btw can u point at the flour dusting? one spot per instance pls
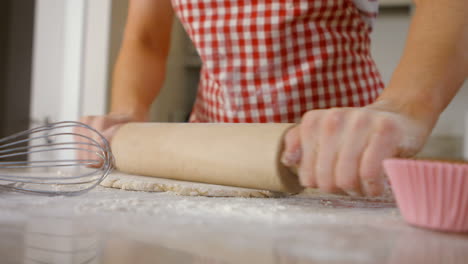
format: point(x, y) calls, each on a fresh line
point(124, 181)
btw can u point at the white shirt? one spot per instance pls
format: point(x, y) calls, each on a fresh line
point(368, 9)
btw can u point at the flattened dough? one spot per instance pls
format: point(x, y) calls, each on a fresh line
point(124, 181)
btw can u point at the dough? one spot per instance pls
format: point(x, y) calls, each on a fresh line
point(124, 181)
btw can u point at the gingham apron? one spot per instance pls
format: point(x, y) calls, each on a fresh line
point(273, 60)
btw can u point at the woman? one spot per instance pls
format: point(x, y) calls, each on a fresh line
point(305, 61)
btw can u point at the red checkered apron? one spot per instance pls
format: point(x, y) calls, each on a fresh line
point(273, 60)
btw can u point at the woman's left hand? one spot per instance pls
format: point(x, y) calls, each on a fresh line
point(342, 149)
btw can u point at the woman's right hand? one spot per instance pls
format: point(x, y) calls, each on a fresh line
point(106, 125)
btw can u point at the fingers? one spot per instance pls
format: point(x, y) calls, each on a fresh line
point(343, 149)
point(309, 136)
point(292, 148)
point(106, 126)
point(327, 149)
point(100, 125)
point(382, 145)
point(347, 173)
point(80, 154)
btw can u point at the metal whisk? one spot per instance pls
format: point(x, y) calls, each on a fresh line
point(43, 160)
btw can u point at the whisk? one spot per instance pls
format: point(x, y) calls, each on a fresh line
point(43, 160)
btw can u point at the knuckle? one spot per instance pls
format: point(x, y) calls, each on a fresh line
point(360, 121)
point(336, 112)
point(291, 136)
point(309, 121)
point(98, 124)
point(386, 125)
point(106, 122)
point(333, 120)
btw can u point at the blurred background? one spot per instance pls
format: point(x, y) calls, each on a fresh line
point(56, 59)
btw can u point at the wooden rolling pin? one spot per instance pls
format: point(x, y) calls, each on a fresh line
point(240, 155)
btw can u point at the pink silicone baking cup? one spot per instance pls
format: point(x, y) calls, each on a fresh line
point(431, 194)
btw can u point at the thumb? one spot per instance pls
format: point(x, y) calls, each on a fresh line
point(292, 148)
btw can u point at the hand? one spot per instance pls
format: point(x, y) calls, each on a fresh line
point(342, 149)
point(107, 125)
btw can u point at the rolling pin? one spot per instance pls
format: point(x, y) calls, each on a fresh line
point(240, 155)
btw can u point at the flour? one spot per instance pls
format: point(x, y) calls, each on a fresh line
point(313, 208)
point(124, 181)
point(311, 226)
point(192, 208)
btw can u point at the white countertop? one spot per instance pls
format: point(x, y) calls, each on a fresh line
point(115, 226)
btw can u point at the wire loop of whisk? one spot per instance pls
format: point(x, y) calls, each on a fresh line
point(47, 159)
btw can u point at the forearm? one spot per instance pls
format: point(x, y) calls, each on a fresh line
point(138, 77)
point(434, 63)
point(140, 68)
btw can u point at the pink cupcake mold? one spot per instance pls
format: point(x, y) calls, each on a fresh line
point(431, 194)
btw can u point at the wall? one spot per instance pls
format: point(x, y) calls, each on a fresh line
point(70, 59)
point(16, 40)
point(49, 61)
point(174, 104)
point(5, 6)
point(96, 57)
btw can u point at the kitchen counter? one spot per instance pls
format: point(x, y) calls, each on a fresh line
point(115, 226)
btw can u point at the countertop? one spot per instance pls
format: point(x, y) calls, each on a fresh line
point(116, 226)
